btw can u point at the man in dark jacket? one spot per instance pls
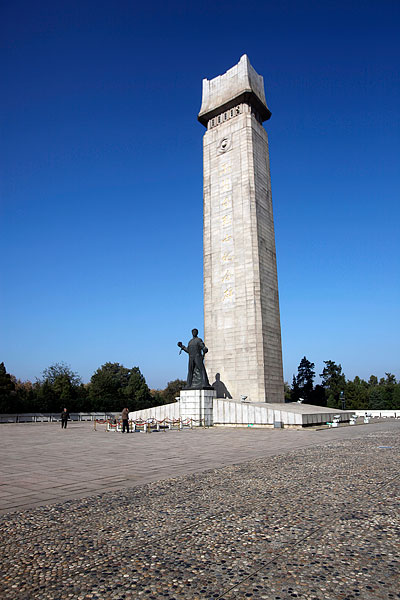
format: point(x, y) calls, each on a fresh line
point(125, 421)
point(64, 418)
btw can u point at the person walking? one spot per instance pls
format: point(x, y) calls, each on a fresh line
point(125, 421)
point(64, 418)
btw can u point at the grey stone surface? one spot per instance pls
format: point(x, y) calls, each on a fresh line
point(41, 463)
point(198, 406)
point(241, 304)
point(316, 517)
point(238, 83)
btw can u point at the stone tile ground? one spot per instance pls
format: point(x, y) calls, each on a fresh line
point(314, 522)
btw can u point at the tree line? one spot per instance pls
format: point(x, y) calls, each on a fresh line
point(114, 386)
point(111, 388)
point(335, 391)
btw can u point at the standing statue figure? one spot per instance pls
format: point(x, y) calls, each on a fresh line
point(197, 377)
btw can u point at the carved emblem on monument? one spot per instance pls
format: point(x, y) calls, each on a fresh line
point(224, 145)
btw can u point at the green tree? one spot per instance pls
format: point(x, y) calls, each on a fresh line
point(82, 397)
point(63, 389)
point(113, 386)
point(375, 398)
point(172, 390)
point(8, 395)
point(106, 384)
point(44, 398)
point(373, 380)
point(136, 392)
point(54, 372)
point(58, 388)
point(305, 380)
point(357, 394)
point(318, 396)
point(396, 397)
point(295, 391)
point(157, 398)
point(333, 382)
point(384, 395)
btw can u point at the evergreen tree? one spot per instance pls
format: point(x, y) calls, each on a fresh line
point(44, 398)
point(106, 384)
point(137, 392)
point(373, 380)
point(333, 382)
point(113, 386)
point(375, 398)
point(305, 379)
point(303, 383)
point(357, 394)
point(318, 396)
point(387, 387)
point(7, 391)
point(172, 390)
point(295, 392)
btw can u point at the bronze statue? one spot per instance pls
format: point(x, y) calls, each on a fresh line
point(197, 377)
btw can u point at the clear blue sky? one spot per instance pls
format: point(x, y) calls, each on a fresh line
point(101, 193)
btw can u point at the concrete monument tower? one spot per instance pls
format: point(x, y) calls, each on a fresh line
point(242, 334)
point(241, 304)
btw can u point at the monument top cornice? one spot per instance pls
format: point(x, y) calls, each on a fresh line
point(241, 83)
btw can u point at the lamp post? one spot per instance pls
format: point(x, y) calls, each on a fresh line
point(343, 399)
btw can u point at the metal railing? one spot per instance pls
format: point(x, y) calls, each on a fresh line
point(55, 417)
point(148, 425)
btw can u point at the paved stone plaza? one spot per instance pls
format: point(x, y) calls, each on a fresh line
point(219, 513)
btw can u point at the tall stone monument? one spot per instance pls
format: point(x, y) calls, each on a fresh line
point(241, 304)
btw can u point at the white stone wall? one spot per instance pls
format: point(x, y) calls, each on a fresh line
point(378, 413)
point(170, 411)
point(227, 412)
point(206, 410)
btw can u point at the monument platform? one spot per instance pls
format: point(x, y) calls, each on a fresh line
point(262, 414)
point(232, 413)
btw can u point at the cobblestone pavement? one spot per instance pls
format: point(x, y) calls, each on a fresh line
point(314, 522)
point(41, 463)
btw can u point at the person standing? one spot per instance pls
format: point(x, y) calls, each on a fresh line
point(64, 418)
point(125, 421)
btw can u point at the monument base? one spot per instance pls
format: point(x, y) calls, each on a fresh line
point(198, 406)
point(231, 413)
point(206, 410)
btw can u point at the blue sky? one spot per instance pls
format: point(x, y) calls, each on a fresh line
point(101, 178)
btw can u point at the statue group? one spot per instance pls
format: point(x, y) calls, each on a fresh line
point(197, 377)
